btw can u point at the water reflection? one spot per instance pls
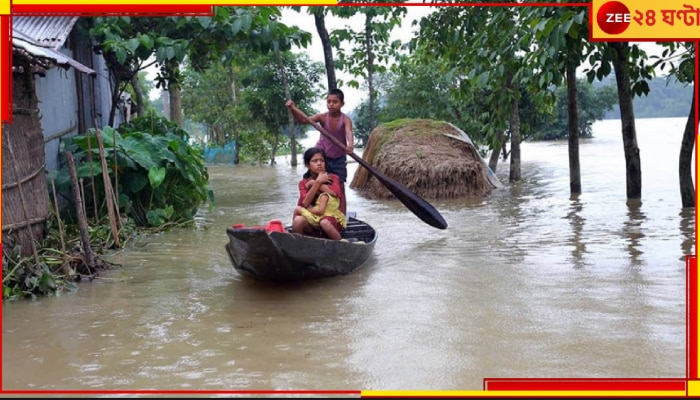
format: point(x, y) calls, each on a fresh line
point(633, 230)
point(688, 231)
point(576, 221)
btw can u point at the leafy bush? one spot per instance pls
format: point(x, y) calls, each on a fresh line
point(161, 177)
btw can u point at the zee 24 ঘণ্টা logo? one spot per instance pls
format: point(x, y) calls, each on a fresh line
point(614, 18)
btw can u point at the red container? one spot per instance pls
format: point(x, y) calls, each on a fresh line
point(274, 225)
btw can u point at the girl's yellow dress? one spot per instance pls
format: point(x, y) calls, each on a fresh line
point(332, 210)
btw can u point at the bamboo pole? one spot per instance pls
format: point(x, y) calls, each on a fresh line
point(24, 202)
point(66, 264)
point(108, 189)
point(92, 176)
point(82, 220)
point(58, 215)
point(116, 177)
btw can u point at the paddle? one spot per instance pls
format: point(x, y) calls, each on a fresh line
point(421, 208)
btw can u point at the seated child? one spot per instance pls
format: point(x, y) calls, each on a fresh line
point(317, 211)
point(327, 205)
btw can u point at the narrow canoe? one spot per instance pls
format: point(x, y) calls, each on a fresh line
point(278, 255)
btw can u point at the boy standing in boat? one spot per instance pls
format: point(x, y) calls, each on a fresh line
point(339, 126)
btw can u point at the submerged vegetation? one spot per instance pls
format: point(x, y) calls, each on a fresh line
point(159, 182)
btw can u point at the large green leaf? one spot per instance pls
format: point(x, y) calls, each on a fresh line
point(156, 176)
point(137, 150)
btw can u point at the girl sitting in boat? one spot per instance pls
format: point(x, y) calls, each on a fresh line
point(317, 212)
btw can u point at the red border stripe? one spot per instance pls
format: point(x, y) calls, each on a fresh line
point(585, 384)
point(113, 9)
point(692, 319)
point(6, 69)
point(155, 392)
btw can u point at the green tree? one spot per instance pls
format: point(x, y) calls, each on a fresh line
point(631, 75)
point(211, 97)
point(414, 88)
point(592, 105)
point(559, 49)
point(372, 49)
point(319, 13)
point(484, 44)
point(679, 58)
point(127, 42)
point(263, 94)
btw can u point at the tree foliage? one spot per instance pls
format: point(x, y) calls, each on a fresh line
point(245, 100)
point(263, 94)
point(371, 48)
point(128, 42)
point(592, 105)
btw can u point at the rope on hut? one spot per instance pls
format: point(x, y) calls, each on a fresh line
point(25, 179)
point(29, 222)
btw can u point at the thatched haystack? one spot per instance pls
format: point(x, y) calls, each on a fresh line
point(416, 153)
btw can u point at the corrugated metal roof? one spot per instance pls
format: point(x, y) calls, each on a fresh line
point(49, 31)
point(43, 36)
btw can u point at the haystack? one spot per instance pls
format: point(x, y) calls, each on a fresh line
point(418, 154)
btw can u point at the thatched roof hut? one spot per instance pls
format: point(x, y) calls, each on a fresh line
point(419, 154)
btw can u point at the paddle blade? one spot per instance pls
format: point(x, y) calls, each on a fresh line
point(421, 208)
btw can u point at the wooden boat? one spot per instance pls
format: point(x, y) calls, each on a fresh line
point(274, 253)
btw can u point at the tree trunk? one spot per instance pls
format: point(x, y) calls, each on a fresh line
point(116, 92)
point(572, 107)
point(138, 94)
point(234, 127)
point(370, 70)
point(493, 160)
point(633, 162)
point(290, 116)
point(175, 103)
point(320, 19)
point(273, 150)
point(175, 95)
point(685, 160)
point(237, 151)
point(515, 174)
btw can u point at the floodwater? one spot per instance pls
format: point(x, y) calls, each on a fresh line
point(528, 282)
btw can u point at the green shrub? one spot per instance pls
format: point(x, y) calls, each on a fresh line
point(161, 177)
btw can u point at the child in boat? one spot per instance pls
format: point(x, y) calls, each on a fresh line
point(339, 126)
point(317, 209)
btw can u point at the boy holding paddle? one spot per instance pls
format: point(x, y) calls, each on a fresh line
point(339, 126)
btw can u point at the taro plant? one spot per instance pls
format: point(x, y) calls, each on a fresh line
point(160, 177)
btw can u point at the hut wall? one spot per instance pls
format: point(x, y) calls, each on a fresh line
point(70, 102)
point(58, 106)
point(25, 201)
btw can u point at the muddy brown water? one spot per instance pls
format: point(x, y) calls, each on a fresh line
point(525, 283)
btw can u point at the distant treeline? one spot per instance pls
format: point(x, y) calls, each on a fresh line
point(665, 99)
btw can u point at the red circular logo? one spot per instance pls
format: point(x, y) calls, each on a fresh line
point(613, 17)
